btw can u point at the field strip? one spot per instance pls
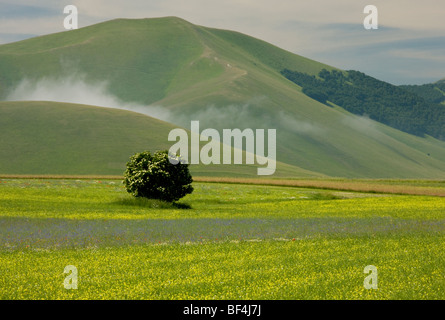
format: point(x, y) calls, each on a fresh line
point(343, 185)
point(395, 186)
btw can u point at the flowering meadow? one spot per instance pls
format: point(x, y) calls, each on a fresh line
point(223, 241)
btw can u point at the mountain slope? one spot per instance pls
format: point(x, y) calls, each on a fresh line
point(224, 79)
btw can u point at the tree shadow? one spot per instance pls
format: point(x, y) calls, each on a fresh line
point(151, 203)
point(181, 205)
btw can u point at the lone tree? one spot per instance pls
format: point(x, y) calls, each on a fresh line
point(155, 177)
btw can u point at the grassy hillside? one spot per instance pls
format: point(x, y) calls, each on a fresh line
point(56, 138)
point(226, 80)
point(60, 138)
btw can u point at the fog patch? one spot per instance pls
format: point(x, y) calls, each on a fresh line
point(253, 114)
point(362, 124)
point(298, 126)
point(222, 117)
point(78, 90)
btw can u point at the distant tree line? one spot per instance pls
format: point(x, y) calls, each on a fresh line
point(407, 108)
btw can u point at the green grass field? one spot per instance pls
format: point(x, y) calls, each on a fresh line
point(224, 241)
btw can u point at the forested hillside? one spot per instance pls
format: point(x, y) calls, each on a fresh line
point(413, 110)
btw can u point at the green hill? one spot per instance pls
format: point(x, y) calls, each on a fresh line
point(226, 80)
point(57, 138)
point(61, 138)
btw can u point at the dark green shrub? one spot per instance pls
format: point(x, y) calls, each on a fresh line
point(152, 176)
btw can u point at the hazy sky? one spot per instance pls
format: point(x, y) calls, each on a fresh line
point(408, 47)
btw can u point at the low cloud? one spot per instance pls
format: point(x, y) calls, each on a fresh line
point(256, 113)
point(299, 126)
point(362, 124)
point(78, 90)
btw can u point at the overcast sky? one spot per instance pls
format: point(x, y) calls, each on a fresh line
point(408, 47)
